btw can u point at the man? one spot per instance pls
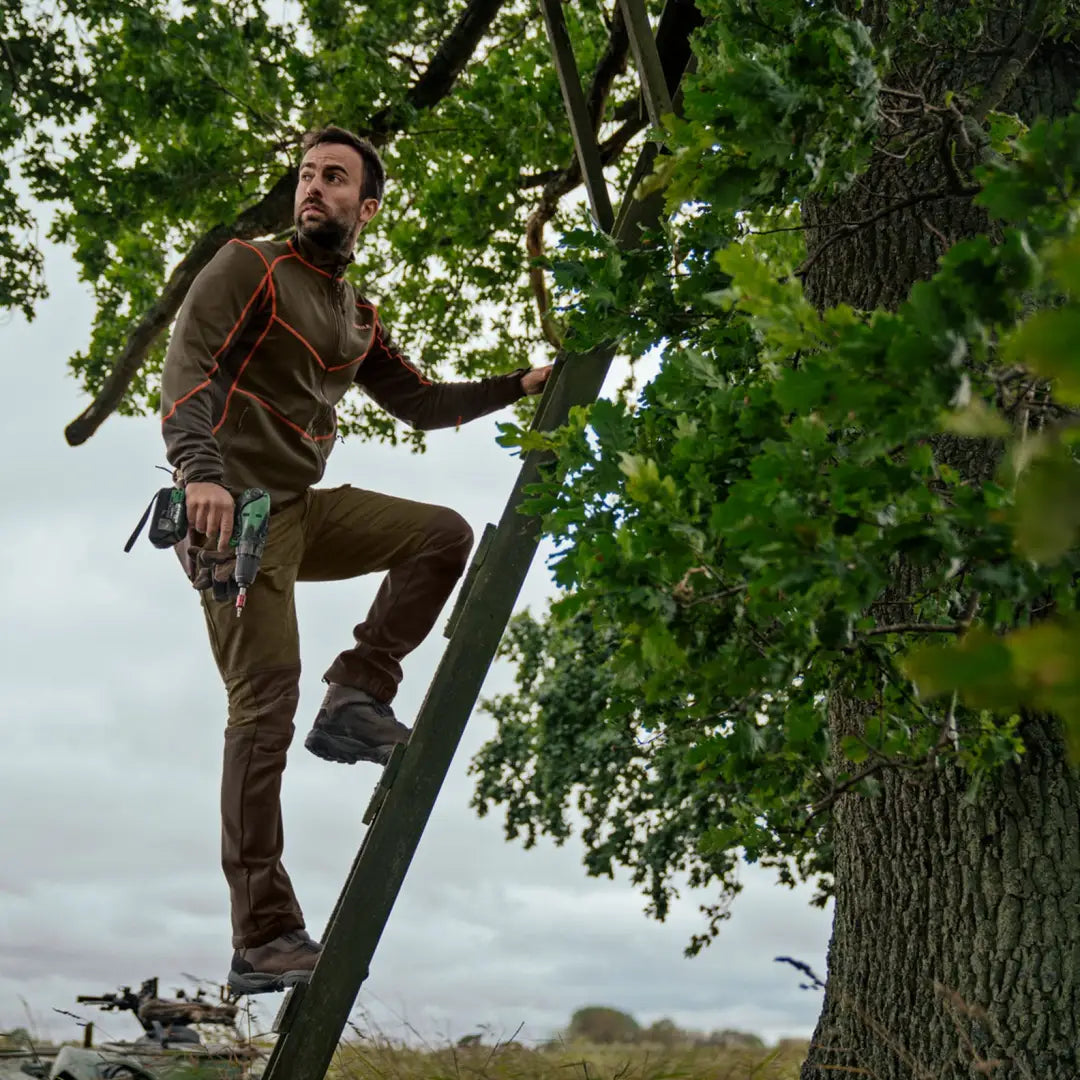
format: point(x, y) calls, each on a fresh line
point(268, 341)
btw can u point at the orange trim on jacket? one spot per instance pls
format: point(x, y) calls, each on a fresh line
point(228, 337)
point(274, 324)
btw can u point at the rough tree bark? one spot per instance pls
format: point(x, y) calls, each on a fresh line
point(956, 941)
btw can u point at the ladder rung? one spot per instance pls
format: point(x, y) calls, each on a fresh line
point(386, 781)
point(470, 579)
point(289, 1007)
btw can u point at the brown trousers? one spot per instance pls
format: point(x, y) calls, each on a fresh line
point(328, 535)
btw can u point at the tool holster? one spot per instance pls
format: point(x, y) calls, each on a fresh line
point(208, 568)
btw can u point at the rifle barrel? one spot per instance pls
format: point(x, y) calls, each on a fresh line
point(108, 1001)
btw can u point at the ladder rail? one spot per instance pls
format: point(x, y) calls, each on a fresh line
point(581, 125)
point(647, 57)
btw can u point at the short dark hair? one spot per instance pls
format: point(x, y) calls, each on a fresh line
point(374, 170)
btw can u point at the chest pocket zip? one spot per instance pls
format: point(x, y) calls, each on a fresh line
point(337, 301)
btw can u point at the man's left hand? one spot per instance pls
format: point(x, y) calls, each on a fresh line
point(532, 382)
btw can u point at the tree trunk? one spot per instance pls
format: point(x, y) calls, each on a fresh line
point(956, 939)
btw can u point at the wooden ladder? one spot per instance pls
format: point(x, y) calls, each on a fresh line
point(313, 1016)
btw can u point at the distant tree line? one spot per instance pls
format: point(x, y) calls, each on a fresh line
point(602, 1024)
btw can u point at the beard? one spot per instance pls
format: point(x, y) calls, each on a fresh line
point(328, 232)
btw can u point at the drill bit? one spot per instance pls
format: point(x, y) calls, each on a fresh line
point(241, 600)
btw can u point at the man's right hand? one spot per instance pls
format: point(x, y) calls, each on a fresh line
point(210, 512)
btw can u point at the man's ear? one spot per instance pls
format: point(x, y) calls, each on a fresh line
point(368, 209)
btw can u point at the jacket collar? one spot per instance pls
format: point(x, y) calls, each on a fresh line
point(333, 263)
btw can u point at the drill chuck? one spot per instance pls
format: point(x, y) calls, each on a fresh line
point(247, 566)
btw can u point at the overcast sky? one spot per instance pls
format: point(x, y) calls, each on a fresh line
point(112, 717)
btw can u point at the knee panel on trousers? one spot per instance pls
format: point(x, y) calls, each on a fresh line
point(451, 533)
point(265, 699)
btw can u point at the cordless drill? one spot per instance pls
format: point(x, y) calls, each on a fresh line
point(167, 514)
point(250, 527)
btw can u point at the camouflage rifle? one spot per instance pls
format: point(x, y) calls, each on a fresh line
point(164, 1019)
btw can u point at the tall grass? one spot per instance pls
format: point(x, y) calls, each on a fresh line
point(378, 1059)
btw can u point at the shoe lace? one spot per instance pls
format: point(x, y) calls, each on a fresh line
point(380, 708)
point(301, 938)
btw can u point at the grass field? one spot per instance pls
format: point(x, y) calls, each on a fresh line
point(369, 1059)
point(372, 1060)
point(373, 1056)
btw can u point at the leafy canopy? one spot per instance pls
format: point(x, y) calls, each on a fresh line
point(145, 125)
point(770, 522)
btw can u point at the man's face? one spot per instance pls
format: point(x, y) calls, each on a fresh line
point(328, 208)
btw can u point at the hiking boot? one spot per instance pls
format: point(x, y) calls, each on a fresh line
point(285, 961)
point(354, 726)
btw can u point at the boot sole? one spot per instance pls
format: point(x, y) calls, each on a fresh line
point(255, 982)
point(345, 751)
